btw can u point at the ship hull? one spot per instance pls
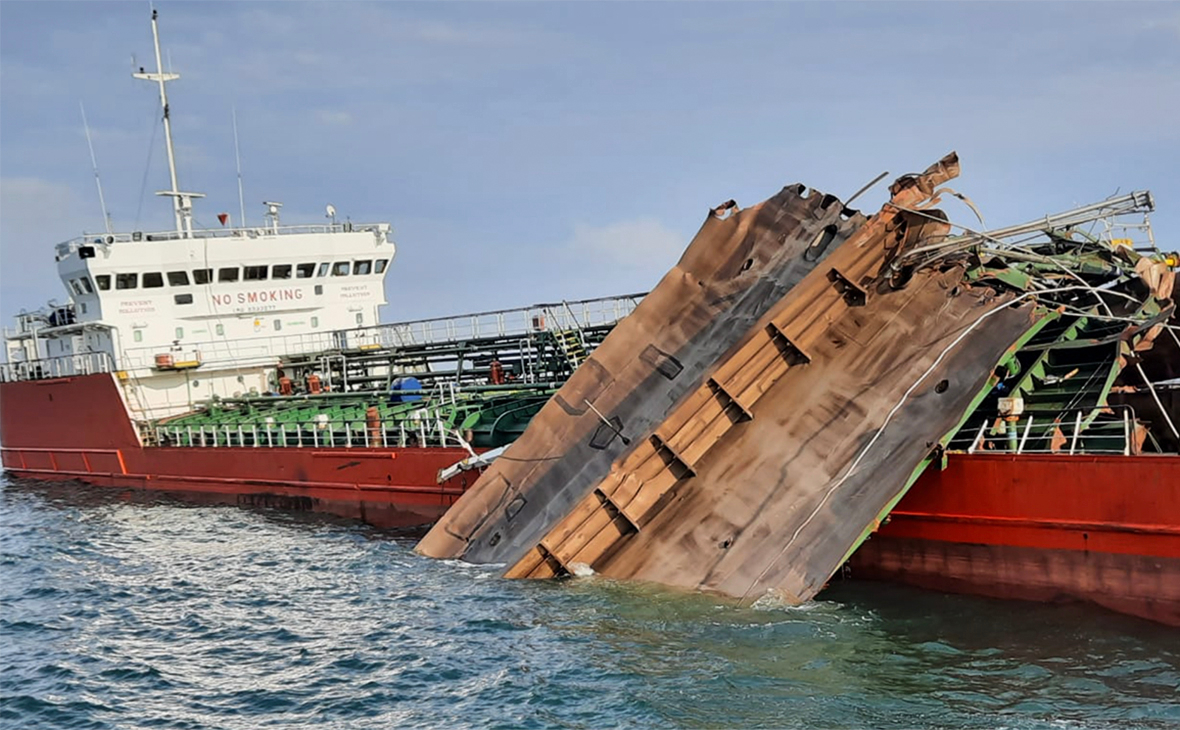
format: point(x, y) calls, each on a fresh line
point(1103, 529)
point(77, 429)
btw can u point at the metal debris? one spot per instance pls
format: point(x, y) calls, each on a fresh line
point(753, 422)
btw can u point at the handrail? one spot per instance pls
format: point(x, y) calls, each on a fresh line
point(265, 231)
point(426, 427)
point(591, 313)
point(1079, 435)
point(89, 363)
point(519, 322)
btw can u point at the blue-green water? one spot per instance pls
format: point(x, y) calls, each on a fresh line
point(121, 614)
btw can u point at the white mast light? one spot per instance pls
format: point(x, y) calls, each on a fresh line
point(182, 203)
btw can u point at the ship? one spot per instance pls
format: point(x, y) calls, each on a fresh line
point(803, 366)
point(249, 366)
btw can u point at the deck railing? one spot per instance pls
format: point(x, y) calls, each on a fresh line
point(1072, 431)
point(564, 316)
point(423, 429)
point(241, 232)
point(88, 363)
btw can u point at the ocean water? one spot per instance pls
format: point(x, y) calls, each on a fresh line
point(133, 613)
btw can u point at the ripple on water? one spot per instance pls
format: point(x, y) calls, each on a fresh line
point(162, 615)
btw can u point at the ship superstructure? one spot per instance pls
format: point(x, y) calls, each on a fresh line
point(189, 314)
point(249, 363)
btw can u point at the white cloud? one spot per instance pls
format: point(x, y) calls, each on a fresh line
point(1167, 24)
point(335, 117)
point(643, 243)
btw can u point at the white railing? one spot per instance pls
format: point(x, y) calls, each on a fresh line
point(56, 367)
point(1072, 431)
point(506, 323)
point(422, 428)
point(105, 239)
point(582, 314)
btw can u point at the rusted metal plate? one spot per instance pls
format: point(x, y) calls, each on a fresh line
point(740, 264)
point(778, 501)
point(668, 348)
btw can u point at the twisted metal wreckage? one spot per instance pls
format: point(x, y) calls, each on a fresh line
point(768, 403)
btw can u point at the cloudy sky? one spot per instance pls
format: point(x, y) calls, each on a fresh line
point(531, 152)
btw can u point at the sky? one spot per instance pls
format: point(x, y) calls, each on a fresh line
point(532, 152)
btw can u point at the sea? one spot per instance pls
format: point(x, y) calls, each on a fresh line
point(119, 610)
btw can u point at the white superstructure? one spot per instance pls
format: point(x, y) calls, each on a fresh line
point(187, 314)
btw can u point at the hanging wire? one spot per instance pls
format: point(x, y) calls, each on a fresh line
point(146, 171)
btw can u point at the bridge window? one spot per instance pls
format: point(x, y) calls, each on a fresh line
point(103, 281)
point(227, 274)
point(180, 333)
point(254, 273)
point(137, 335)
point(315, 321)
point(379, 267)
point(304, 271)
point(85, 282)
point(362, 267)
point(281, 271)
point(220, 330)
point(153, 280)
point(340, 268)
point(183, 298)
point(76, 286)
point(323, 270)
point(126, 281)
point(202, 276)
point(178, 278)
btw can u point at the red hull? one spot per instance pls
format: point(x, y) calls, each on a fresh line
point(1098, 528)
point(77, 428)
point(1104, 529)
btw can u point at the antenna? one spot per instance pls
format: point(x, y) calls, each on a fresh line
point(106, 214)
point(238, 159)
point(182, 203)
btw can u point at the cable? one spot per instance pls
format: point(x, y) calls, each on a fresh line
point(905, 396)
point(146, 170)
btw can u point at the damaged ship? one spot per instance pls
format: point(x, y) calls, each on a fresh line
point(982, 405)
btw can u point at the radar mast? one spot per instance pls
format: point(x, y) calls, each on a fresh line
point(182, 202)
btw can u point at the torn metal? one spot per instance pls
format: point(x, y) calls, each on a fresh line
point(770, 401)
point(739, 264)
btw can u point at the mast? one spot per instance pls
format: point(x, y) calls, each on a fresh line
point(182, 203)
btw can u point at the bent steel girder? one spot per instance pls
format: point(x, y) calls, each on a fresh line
point(740, 263)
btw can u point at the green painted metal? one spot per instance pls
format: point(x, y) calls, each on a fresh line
point(1044, 317)
point(484, 420)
